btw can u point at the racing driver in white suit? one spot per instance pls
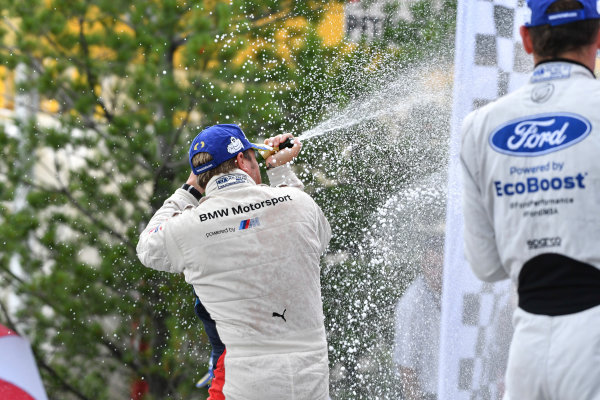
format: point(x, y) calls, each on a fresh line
point(252, 253)
point(531, 175)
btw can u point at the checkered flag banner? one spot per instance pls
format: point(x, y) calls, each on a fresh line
point(475, 327)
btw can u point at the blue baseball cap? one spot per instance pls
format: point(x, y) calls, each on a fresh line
point(590, 10)
point(222, 142)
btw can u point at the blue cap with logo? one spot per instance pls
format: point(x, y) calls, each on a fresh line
point(222, 142)
point(590, 10)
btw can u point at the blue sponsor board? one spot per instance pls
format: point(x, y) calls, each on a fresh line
point(536, 135)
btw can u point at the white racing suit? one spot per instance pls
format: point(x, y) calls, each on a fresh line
point(531, 176)
point(252, 254)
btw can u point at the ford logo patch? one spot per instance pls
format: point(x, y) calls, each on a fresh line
point(540, 134)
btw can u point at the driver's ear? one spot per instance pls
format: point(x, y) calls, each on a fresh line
point(526, 38)
point(242, 162)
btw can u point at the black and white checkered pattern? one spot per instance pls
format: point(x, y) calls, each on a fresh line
point(501, 65)
point(499, 53)
point(488, 315)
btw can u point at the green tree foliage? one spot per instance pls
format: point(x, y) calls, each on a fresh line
point(132, 83)
point(125, 87)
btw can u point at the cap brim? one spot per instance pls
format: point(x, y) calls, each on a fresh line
point(261, 146)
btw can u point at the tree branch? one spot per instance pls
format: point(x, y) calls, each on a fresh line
point(179, 131)
point(91, 78)
point(118, 354)
point(62, 189)
point(9, 323)
point(95, 220)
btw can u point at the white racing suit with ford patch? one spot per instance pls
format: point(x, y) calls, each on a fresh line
point(531, 176)
point(252, 253)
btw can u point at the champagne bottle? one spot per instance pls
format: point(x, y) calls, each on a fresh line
point(288, 143)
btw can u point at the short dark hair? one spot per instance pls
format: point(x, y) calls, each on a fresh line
point(552, 41)
point(223, 168)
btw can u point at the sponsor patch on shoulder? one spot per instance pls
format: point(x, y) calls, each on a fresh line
point(536, 135)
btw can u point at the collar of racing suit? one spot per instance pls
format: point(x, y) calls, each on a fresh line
point(228, 180)
point(565, 60)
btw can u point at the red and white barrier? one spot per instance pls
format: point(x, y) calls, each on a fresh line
point(19, 376)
